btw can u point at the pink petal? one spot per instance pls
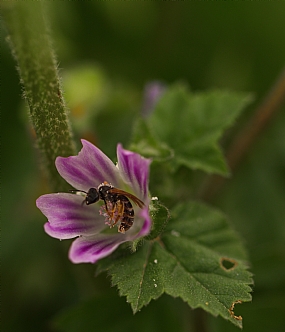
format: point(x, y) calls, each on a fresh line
point(146, 227)
point(135, 170)
point(67, 217)
point(90, 249)
point(88, 169)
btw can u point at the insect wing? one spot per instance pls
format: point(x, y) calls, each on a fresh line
point(136, 200)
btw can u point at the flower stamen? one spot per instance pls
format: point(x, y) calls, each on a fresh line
point(111, 214)
point(64, 210)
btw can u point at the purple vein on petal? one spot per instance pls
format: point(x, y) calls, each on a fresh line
point(90, 249)
point(88, 169)
point(146, 227)
point(135, 170)
point(67, 217)
point(99, 164)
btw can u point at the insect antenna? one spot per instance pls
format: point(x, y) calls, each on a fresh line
point(77, 192)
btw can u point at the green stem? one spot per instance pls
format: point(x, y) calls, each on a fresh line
point(248, 135)
point(31, 47)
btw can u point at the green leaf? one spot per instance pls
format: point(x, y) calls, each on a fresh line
point(192, 123)
point(198, 258)
point(160, 216)
point(144, 143)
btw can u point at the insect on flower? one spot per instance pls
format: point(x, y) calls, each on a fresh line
point(70, 218)
point(117, 205)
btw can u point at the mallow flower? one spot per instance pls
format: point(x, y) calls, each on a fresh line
point(153, 91)
point(70, 217)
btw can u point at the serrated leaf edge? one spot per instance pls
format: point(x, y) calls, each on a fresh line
point(136, 308)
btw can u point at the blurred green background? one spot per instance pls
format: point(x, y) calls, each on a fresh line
point(117, 47)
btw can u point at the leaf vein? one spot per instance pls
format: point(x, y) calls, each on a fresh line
point(143, 273)
point(192, 275)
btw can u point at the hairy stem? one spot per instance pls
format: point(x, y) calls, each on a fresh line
point(31, 47)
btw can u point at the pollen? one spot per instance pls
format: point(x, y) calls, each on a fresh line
point(109, 218)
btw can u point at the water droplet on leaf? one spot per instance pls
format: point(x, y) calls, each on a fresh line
point(174, 233)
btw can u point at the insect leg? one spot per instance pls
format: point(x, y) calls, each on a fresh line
point(109, 211)
point(120, 211)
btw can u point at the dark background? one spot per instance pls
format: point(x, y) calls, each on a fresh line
point(233, 45)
